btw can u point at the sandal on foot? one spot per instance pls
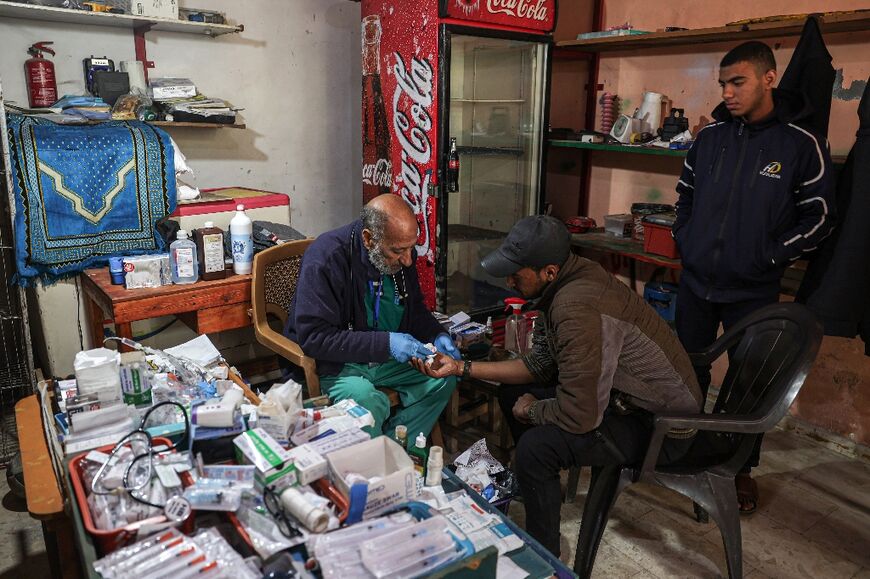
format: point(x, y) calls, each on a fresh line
point(747, 493)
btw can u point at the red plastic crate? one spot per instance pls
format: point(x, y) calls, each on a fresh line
point(658, 240)
point(108, 541)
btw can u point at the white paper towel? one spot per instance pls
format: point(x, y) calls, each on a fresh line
point(97, 372)
point(136, 72)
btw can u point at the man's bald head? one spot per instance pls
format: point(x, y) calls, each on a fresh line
point(389, 232)
point(396, 217)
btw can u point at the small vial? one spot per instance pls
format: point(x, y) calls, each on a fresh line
point(401, 435)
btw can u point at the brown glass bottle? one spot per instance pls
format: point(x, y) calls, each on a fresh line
point(210, 252)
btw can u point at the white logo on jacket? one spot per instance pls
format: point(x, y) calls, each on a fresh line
point(772, 170)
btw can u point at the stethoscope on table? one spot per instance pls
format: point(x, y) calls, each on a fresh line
point(142, 435)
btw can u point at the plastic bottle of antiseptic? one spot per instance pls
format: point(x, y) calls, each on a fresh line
point(242, 240)
point(182, 259)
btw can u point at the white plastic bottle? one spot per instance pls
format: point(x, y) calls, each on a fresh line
point(182, 259)
point(242, 239)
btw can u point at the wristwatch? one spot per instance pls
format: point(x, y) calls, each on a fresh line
point(533, 412)
point(466, 368)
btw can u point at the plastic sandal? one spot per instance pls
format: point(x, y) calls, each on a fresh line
point(747, 493)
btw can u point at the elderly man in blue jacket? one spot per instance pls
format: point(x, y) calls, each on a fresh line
point(358, 310)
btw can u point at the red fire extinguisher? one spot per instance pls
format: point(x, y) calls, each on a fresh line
point(41, 85)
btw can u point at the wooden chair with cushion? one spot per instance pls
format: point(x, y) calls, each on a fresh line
point(275, 273)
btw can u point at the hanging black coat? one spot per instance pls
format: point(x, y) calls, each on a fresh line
point(810, 72)
point(837, 282)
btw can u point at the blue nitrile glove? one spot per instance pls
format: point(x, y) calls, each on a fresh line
point(403, 347)
point(445, 345)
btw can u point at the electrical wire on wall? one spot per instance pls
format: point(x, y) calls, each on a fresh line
point(79, 315)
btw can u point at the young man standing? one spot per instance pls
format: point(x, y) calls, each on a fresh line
point(756, 192)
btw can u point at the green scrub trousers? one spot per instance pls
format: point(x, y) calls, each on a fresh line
point(422, 399)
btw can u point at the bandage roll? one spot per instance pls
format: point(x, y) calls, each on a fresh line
point(233, 397)
point(314, 518)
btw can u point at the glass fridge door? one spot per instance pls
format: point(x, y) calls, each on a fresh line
point(497, 90)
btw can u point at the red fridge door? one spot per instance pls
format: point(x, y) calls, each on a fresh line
point(400, 114)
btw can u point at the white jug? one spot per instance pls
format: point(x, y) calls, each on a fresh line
point(651, 110)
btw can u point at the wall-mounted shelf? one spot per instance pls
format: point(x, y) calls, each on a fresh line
point(52, 14)
point(180, 125)
point(831, 22)
point(196, 125)
point(490, 151)
point(618, 148)
point(487, 101)
point(567, 144)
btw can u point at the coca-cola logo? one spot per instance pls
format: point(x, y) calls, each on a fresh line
point(469, 7)
point(411, 125)
point(531, 9)
point(379, 174)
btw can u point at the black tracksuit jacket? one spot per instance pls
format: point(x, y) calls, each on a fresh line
point(753, 198)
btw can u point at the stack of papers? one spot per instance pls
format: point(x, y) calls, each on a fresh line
point(199, 350)
point(199, 108)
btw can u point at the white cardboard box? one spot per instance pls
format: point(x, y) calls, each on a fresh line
point(274, 463)
point(158, 8)
point(379, 457)
point(310, 465)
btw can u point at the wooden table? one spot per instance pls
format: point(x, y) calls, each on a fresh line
point(598, 240)
point(632, 249)
point(205, 306)
point(45, 500)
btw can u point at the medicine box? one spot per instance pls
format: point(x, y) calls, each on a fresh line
point(171, 88)
point(382, 459)
point(146, 271)
point(274, 464)
point(155, 8)
point(332, 442)
point(310, 465)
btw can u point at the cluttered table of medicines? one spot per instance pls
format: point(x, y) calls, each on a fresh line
point(206, 306)
point(213, 481)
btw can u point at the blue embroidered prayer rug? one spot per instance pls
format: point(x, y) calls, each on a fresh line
point(83, 193)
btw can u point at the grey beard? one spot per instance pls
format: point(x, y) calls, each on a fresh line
point(379, 260)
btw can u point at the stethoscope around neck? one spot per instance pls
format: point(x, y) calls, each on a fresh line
point(376, 287)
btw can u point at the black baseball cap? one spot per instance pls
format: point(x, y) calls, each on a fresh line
point(534, 241)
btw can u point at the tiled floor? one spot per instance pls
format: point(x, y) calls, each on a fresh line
point(814, 522)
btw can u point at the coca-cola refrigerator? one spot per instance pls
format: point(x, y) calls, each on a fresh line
point(472, 70)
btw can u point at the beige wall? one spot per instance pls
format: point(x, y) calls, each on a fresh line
point(834, 396)
point(296, 71)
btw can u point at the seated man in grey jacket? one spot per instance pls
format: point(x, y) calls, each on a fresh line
point(602, 363)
